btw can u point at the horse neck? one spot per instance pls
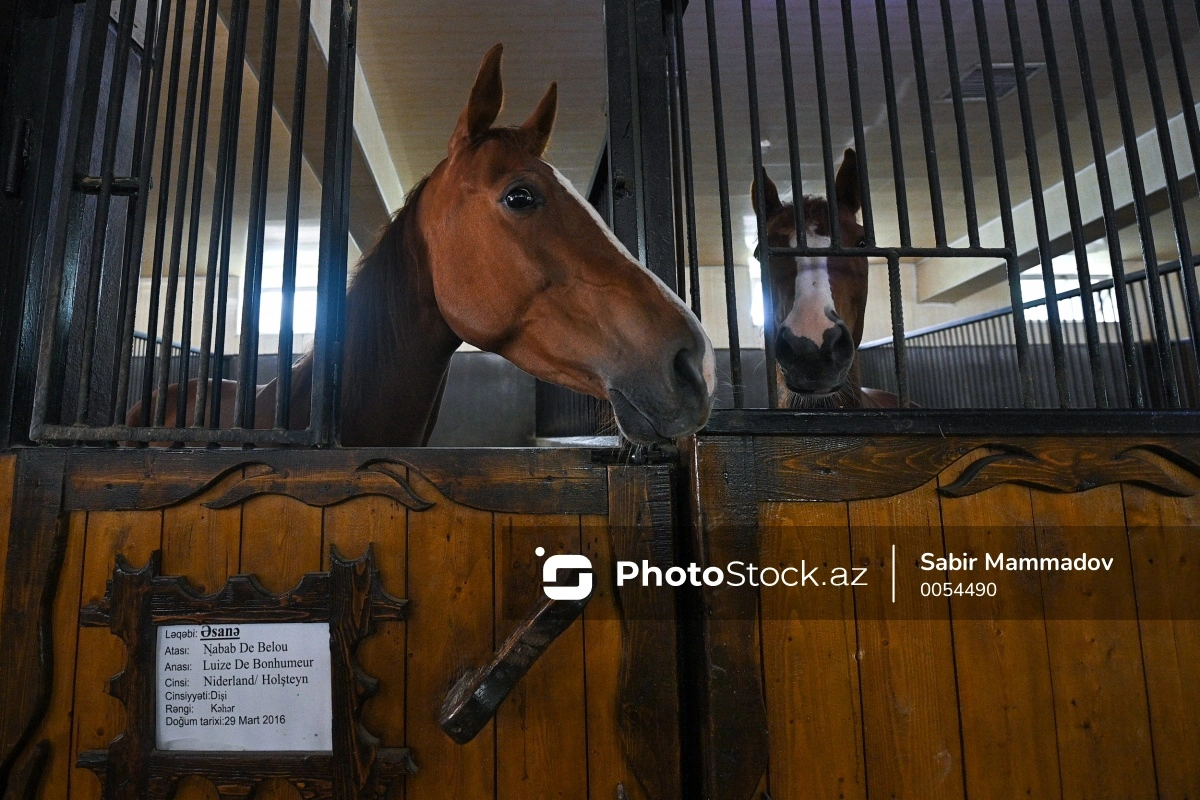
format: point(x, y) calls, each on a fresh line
point(397, 346)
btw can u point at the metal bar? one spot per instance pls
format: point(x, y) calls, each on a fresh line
point(135, 234)
point(108, 157)
point(835, 239)
point(252, 280)
point(623, 127)
point(899, 343)
point(1020, 332)
point(689, 183)
point(1046, 256)
point(228, 144)
point(931, 165)
point(119, 433)
point(793, 134)
point(1104, 181)
point(1153, 364)
point(676, 177)
point(1167, 148)
point(283, 392)
point(194, 225)
point(160, 225)
point(1145, 229)
point(904, 252)
point(735, 350)
point(1082, 269)
point(960, 124)
point(761, 202)
point(177, 231)
point(860, 138)
point(889, 94)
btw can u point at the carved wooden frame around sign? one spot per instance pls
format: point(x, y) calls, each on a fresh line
point(349, 597)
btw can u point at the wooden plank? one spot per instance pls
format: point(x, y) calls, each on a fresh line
point(811, 675)
point(450, 630)
point(381, 523)
point(541, 727)
point(99, 717)
point(910, 713)
point(55, 727)
point(1101, 712)
point(281, 540)
point(8, 478)
point(1006, 701)
point(603, 645)
point(1165, 544)
point(203, 544)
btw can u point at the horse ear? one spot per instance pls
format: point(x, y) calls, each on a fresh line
point(847, 182)
point(770, 191)
point(487, 96)
point(541, 121)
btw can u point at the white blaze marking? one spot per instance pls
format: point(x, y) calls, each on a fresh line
point(709, 361)
point(814, 297)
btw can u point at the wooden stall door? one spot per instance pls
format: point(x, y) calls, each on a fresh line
point(453, 532)
point(1059, 685)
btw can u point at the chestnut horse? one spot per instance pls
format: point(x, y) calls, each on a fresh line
point(819, 302)
point(496, 248)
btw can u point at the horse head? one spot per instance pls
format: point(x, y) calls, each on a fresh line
point(819, 301)
point(521, 265)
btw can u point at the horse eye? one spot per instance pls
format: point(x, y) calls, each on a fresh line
point(519, 199)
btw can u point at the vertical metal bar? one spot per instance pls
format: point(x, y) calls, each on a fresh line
point(1049, 52)
point(185, 348)
point(793, 134)
point(283, 399)
point(623, 125)
point(931, 165)
point(223, 210)
point(252, 280)
point(144, 130)
point(899, 344)
point(1177, 337)
point(1039, 206)
point(160, 225)
point(764, 246)
point(1153, 364)
point(1112, 232)
point(835, 238)
point(335, 199)
point(1020, 333)
point(731, 317)
point(1166, 148)
point(1149, 253)
point(108, 156)
point(177, 232)
point(960, 124)
point(676, 176)
point(860, 137)
point(889, 93)
point(689, 186)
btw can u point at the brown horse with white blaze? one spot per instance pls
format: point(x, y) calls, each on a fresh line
point(496, 248)
point(819, 301)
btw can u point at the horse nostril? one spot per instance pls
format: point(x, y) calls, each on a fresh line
point(689, 369)
point(840, 343)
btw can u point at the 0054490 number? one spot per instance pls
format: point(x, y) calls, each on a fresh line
point(948, 589)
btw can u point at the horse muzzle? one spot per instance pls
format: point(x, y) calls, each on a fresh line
point(812, 369)
point(649, 411)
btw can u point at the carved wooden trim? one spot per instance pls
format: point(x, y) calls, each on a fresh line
point(349, 597)
point(566, 481)
point(37, 542)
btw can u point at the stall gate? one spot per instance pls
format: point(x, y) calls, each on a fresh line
point(897, 684)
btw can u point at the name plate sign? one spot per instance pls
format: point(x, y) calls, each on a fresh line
point(259, 686)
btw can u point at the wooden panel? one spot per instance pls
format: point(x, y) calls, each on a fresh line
point(281, 540)
point(55, 727)
point(450, 630)
point(1095, 654)
point(909, 709)
point(1006, 701)
point(381, 523)
point(541, 727)
point(1164, 539)
point(814, 709)
point(98, 716)
point(8, 478)
point(200, 543)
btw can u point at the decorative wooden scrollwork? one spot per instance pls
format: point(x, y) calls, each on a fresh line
point(349, 597)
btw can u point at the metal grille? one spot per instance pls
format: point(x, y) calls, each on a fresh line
point(187, 125)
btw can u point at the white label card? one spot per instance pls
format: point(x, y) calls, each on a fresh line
point(244, 687)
